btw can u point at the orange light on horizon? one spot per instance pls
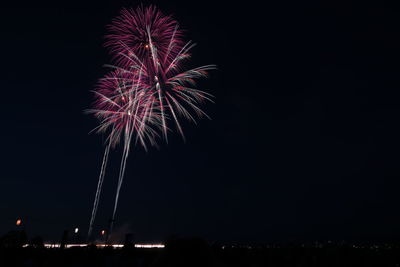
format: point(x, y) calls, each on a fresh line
point(18, 222)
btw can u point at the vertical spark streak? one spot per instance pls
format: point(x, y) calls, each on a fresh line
point(125, 153)
point(164, 125)
point(99, 186)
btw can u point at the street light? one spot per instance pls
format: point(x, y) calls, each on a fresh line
point(76, 235)
point(18, 222)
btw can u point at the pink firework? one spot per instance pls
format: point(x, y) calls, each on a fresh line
point(127, 109)
point(148, 87)
point(146, 41)
point(131, 33)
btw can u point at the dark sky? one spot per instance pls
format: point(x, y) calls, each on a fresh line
point(303, 143)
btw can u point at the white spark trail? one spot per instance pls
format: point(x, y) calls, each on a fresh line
point(99, 187)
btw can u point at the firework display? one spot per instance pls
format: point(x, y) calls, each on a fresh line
point(148, 89)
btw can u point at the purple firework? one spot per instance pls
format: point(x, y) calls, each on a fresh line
point(148, 86)
point(131, 32)
point(126, 108)
point(146, 41)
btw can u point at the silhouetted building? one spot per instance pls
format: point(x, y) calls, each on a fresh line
point(129, 240)
point(64, 239)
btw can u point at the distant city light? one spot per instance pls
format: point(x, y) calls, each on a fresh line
point(57, 245)
point(76, 230)
point(18, 222)
point(149, 246)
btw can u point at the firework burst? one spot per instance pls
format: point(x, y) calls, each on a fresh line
point(147, 41)
point(148, 86)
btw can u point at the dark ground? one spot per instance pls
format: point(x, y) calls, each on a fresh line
point(196, 252)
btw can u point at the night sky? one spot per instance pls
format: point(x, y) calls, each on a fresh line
point(304, 141)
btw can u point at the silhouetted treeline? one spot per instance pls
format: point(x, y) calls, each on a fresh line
point(196, 252)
